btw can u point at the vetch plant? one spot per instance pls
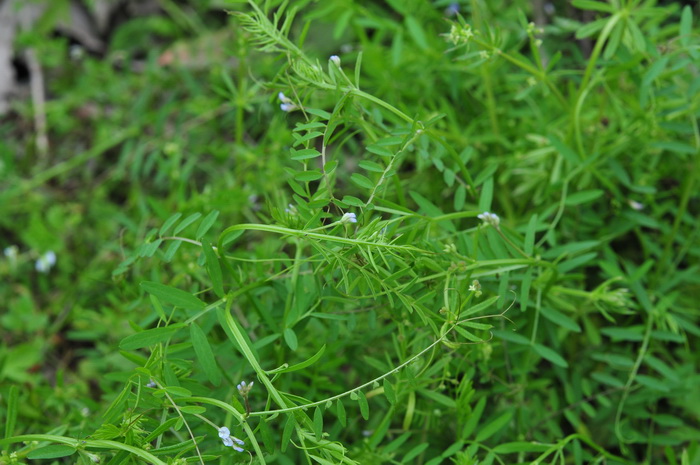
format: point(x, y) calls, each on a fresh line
point(430, 331)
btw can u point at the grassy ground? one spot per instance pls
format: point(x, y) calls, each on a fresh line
point(426, 236)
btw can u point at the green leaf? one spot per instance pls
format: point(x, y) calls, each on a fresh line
point(148, 338)
point(204, 354)
point(633, 334)
point(302, 365)
point(564, 150)
point(330, 166)
point(415, 31)
point(186, 222)
point(11, 418)
point(320, 113)
point(592, 5)
point(379, 150)
point(51, 452)
point(364, 407)
point(529, 245)
point(591, 28)
point(486, 196)
point(560, 319)
point(361, 181)
point(169, 223)
point(389, 391)
point(525, 290)
point(551, 355)
point(206, 224)
point(318, 423)
point(166, 425)
point(460, 198)
point(473, 419)
point(686, 27)
point(290, 337)
point(307, 176)
point(173, 296)
point(439, 398)
point(353, 201)
point(494, 426)
point(193, 409)
point(306, 137)
point(479, 307)
point(371, 166)
point(304, 154)
point(287, 432)
point(652, 383)
point(340, 411)
point(170, 251)
point(583, 197)
point(267, 437)
point(415, 452)
point(511, 336)
point(213, 268)
point(425, 206)
point(175, 391)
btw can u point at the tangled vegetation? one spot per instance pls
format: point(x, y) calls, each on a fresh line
point(358, 233)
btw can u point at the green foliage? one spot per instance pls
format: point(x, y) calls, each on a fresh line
point(341, 254)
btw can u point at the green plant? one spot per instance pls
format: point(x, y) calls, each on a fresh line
point(384, 314)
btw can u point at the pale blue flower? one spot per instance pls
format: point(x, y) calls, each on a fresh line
point(349, 217)
point(230, 441)
point(335, 59)
point(490, 219)
point(244, 389)
point(45, 262)
point(287, 103)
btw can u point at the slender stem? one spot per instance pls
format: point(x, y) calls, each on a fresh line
point(87, 443)
point(312, 235)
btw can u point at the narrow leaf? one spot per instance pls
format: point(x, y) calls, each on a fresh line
point(51, 452)
point(340, 411)
point(318, 423)
point(204, 354)
point(169, 223)
point(173, 295)
point(389, 391)
point(148, 338)
point(287, 433)
point(206, 224)
point(213, 268)
point(11, 419)
point(364, 407)
point(302, 365)
point(290, 337)
point(186, 222)
point(494, 426)
point(549, 354)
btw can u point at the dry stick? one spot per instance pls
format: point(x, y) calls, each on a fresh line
point(36, 83)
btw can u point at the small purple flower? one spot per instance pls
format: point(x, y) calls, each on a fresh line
point(453, 9)
point(336, 60)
